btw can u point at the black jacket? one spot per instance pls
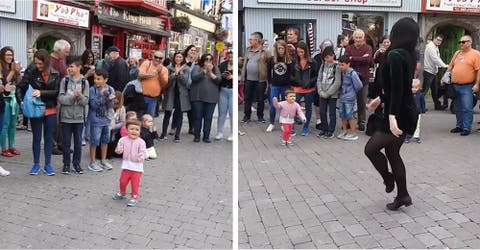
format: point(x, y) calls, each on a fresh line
point(148, 137)
point(397, 74)
point(305, 78)
point(118, 74)
point(48, 90)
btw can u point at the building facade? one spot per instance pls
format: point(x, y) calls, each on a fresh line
point(201, 14)
point(328, 18)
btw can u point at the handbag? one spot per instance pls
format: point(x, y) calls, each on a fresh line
point(33, 107)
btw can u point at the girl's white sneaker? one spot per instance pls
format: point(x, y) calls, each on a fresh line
point(4, 172)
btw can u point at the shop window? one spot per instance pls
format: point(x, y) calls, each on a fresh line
point(371, 24)
point(174, 41)
point(280, 27)
point(198, 42)
point(187, 40)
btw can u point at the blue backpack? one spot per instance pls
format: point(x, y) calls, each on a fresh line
point(33, 107)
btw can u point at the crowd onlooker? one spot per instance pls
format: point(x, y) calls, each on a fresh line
point(44, 82)
point(225, 103)
point(204, 95)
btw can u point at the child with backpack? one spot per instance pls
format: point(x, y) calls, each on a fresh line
point(73, 97)
point(101, 98)
point(351, 84)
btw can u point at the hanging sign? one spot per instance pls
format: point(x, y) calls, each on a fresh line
point(62, 14)
point(458, 6)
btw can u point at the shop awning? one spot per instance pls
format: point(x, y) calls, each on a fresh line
point(130, 26)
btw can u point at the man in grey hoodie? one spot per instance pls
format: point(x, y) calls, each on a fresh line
point(328, 86)
point(73, 97)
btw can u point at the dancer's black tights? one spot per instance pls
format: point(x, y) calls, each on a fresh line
point(392, 147)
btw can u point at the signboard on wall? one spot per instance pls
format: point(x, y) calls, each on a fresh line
point(53, 12)
point(380, 3)
point(455, 6)
point(7, 6)
point(97, 45)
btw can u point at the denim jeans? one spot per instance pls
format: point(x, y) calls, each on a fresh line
point(225, 105)
point(48, 123)
point(8, 129)
point(330, 105)
point(68, 130)
point(464, 106)
point(254, 91)
point(279, 93)
point(308, 105)
point(203, 111)
point(150, 103)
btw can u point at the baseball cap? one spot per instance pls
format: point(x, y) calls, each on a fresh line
point(112, 48)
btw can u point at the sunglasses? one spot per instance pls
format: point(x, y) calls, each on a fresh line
point(158, 57)
point(463, 42)
point(208, 58)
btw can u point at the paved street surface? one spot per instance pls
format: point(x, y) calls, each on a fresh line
point(185, 201)
point(326, 194)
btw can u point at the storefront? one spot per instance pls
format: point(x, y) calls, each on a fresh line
point(14, 18)
point(327, 19)
point(200, 34)
point(452, 19)
point(54, 21)
point(129, 28)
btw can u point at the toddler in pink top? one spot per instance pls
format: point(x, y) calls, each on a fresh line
point(130, 116)
point(288, 110)
point(134, 150)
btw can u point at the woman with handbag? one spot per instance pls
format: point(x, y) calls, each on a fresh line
point(400, 114)
point(44, 81)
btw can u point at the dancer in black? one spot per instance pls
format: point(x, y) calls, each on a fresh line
point(400, 115)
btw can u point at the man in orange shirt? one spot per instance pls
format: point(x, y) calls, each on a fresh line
point(465, 77)
point(154, 77)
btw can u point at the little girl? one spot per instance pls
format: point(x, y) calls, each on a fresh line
point(288, 110)
point(149, 134)
point(419, 98)
point(134, 151)
point(116, 124)
point(130, 116)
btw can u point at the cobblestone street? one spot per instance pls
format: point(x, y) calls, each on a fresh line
point(185, 201)
point(324, 193)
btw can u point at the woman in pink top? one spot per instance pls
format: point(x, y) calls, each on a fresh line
point(288, 110)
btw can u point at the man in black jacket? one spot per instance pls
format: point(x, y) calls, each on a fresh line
point(119, 69)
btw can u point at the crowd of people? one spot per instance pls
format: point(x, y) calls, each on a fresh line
point(103, 101)
point(351, 78)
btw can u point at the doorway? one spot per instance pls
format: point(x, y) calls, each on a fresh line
point(107, 42)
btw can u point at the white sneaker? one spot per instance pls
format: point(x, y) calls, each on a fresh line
point(254, 109)
point(94, 166)
point(230, 138)
point(4, 172)
point(350, 137)
point(342, 135)
point(84, 142)
point(219, 136)
point(241, 133)
point(106, 165)
point(270, 128)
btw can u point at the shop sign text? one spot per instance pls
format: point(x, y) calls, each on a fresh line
point(460, 6)
point(129, 17)
point(63, 14)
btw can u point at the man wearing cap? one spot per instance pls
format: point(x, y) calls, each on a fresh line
point(154, 77)
point(118, 73)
